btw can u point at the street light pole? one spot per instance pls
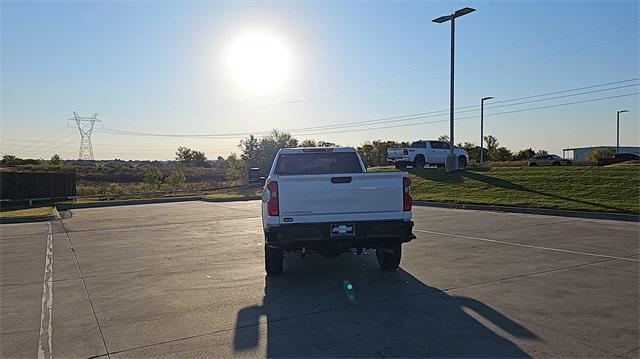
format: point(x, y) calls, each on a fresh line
point(482, 100)
point(451, 164)
point(451, 96)
point(618, 129)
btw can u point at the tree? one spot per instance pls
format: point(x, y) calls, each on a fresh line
point(524, 155)
point(326, 144)
point(375, 153)
point(199, 158)
point(492, 147)
point(189, 157)
point(56, 160)
point(153, 178)
point(261, 152)
point(308, 143)
point(235, 169)
point(11, 160)
point(444, 138)
point(599, 153)
point(312, 143)
point(176, 180)
point(249, 148)
point(472, 150)
point(366, 153)
point(542, 152)
point(502, 154)
point(184, 155)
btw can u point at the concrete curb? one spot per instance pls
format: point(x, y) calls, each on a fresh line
point(32, 219)
point(252, 198)
point(528, 210)
point(68, 206)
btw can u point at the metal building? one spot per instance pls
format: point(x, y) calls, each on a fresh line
point(581, 153)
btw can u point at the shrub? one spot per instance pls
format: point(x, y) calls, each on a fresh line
point(599, 153)
point(176, 180)
point(153, 178)
point(114, 188)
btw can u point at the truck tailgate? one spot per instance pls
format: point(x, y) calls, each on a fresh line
point(341, 197)
point(396, 153)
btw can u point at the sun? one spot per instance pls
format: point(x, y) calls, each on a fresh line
point(259, 62)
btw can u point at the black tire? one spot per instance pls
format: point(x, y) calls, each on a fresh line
point(462, 162)
point(273, 260)
point(533, 164)
point(419, 162)
point(556, 164)
point(389, 261)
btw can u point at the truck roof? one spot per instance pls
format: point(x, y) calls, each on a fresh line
point(316, 149)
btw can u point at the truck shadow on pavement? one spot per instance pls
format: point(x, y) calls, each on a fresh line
point(346, 307)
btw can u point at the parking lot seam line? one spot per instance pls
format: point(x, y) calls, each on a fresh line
point(360, 305)
point(528, 245)
point(381, 300)
point(44, 340)
point(86, 291)
point(32, 283)
point(527, 275)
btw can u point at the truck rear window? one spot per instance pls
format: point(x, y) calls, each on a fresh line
point(317, 163)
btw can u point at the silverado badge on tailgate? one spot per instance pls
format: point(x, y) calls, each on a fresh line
point(341, 230)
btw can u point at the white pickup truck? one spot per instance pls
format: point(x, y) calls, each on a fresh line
point(323, 200)
point(426, 152)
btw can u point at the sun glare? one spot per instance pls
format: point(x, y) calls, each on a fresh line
point(259, 62)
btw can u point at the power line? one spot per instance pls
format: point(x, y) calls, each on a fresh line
point(46, 137)
point(475, 117)
point(463, 118)
point(406, 117)
point(475, 108)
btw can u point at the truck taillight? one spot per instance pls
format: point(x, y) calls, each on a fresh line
point(406, 194)
point(273, 204)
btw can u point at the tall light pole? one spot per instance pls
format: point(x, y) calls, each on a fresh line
point(482, 100)
point(618, 130)
point(451, 164)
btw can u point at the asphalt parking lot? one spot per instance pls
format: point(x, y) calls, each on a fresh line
point(187, 280)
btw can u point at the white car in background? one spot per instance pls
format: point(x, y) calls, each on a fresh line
point(426, 152)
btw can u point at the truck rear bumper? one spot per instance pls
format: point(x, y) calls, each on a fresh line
point(317, 236)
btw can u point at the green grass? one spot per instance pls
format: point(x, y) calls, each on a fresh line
point(600, 189)
point(27, 212)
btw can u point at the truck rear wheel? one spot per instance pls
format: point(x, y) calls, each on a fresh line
point(273, 260)
point(419, 161)
point(389, 260)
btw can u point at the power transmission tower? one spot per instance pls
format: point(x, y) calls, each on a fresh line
point(85, 126)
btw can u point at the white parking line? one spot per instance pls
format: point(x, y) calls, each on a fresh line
point(528, 246)
point(44, 342)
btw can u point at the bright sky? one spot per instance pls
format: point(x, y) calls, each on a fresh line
point(207, 68)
